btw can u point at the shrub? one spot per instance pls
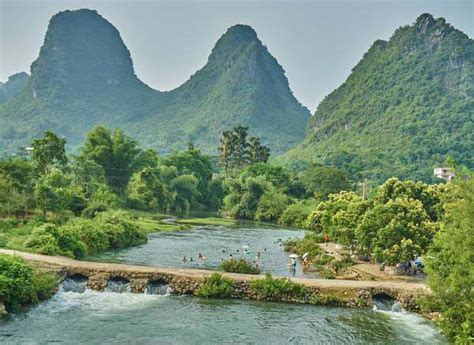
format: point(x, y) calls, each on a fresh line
point(326, 299)
point(91, 234)
point(308, 244)
point(50, 239)
point(216, 286)
point(341, 265)
point(271, 206)
point(20, 284)
point(296, 214)
point(120, 229)
point(239, 266)
point(278, 289)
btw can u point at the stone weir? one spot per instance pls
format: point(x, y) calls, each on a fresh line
point(350, 293)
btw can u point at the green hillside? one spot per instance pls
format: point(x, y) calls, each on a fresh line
point(406, 105)
point(13, 86)
point(84, 76)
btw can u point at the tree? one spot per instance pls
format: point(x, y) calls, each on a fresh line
point(226, 149)
point(146, 191)
point(241, 146)
point(193, 162)
point(429, 195)
point(48, 152)
point(321, 181)
point(338, 216)
point(115, 152)
point(257, 152)
point(396, 231)
point(450, 263)
point(186, 192)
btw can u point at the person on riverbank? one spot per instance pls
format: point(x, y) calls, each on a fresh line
point(326, 239)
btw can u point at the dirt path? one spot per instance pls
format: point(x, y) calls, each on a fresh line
point(59, 262)
point(365, 269)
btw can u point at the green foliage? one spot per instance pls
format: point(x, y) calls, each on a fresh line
point(238, 266)
point(339, 216)
point(278, 289)
point(321, 181)
point(406, 105)
point(276, 175)
point(20, 284)
point(270, 206)
point(49, 151)
point(236, 151)
point(243, 199)
point(396, 231)
point(308, 244)
point(115, 152)
point(78, 237)
point(326, 299)
point(51, 239)
point(85, 52)
point(120, 229)
point(216, 286)
point(296, 214)
point(449, 264)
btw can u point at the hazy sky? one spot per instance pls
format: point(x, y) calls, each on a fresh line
point(316, 42)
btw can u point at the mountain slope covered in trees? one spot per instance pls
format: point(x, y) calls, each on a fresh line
point(84, 76)
point(407, 105)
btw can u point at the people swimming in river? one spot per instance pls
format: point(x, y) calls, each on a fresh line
point(258, 255)
point(191, 259)
point(230, 256)
point(184, 259)
point(201, 257)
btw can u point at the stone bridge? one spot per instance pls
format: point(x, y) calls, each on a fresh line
point(351, 293)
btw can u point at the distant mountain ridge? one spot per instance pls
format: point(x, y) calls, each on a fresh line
point(407, 105)
point(84, 76)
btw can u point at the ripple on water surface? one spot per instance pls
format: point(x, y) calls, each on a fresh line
point(166, 249)
point(116, 318)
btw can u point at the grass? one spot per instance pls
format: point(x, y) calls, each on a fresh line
point(208, 221)
point(148, 225)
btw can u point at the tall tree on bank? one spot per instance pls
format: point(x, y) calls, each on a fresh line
point(450, 263)
point(115, 152)
point(237, 151)
point(226, 148)
point(49, 151)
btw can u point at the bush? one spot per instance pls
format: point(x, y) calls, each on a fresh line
point(308, 244)
point(216, 286)
point(278, 289)
point(50, 239)
point(239, 266)
point(20, 284)
point(326, 299)
point(271, 206)
point(90, 233)
point(120, 229)
point(296, 214)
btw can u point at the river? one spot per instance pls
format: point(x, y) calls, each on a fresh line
point(76, 315)
point(216, 243)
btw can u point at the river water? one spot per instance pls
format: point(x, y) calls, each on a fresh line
point(215, 243)
point(123, 318)
point(76, 315)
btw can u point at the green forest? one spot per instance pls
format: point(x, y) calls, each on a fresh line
point(74, 205)
point(407, 105)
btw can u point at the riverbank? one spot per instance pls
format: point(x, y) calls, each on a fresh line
point(188, 281)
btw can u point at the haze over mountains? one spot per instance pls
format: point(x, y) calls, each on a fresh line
point(84, 76)
point(407, 105)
